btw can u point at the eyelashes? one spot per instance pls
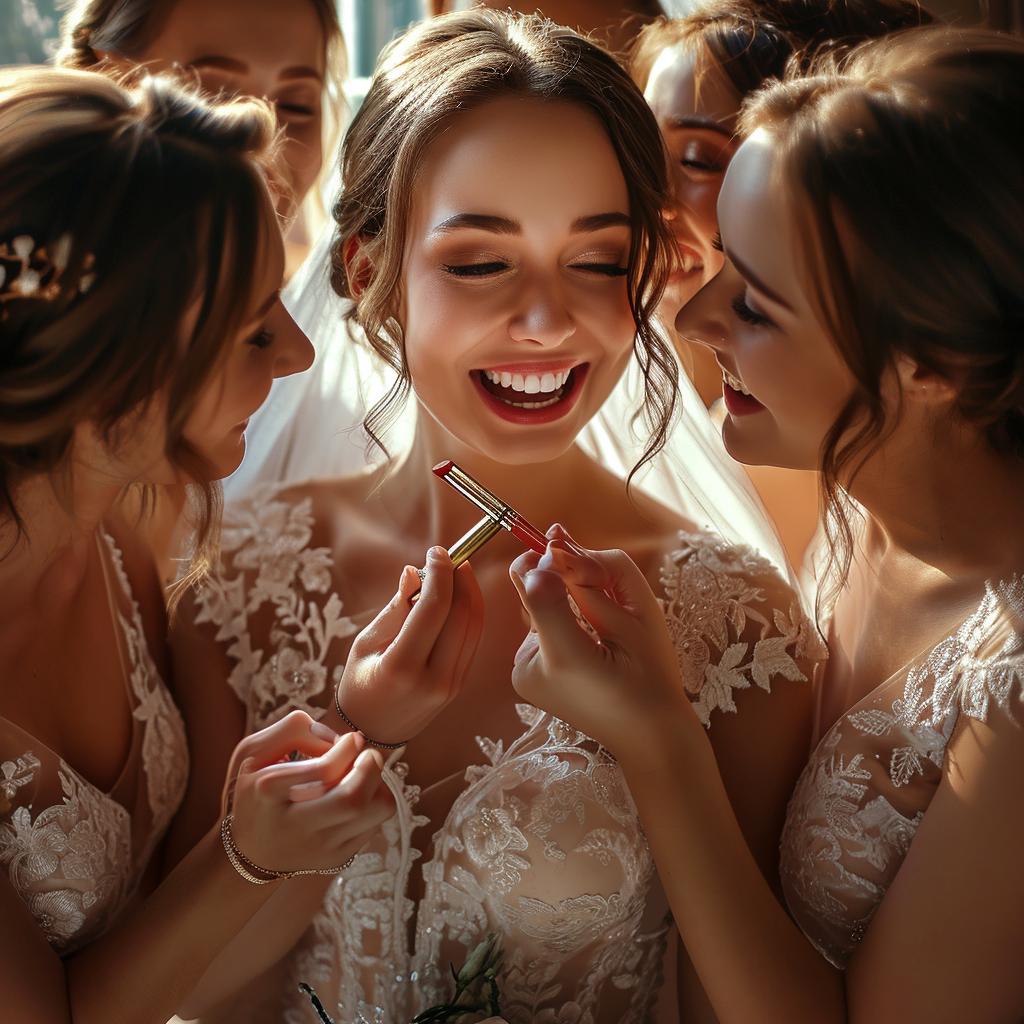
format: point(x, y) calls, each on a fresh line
point(488, 269)
point(262, 340)
point(609, 269)
point(748, 315)
point(716, 242)
point(474, 269)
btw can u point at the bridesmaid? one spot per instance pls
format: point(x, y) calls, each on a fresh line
point(868, 324)
point(139, 257)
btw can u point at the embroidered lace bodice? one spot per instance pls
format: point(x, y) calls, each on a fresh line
point(861, 798)
point(541, 843)
point(75, 854)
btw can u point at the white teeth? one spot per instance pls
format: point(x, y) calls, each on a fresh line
point(531, 405)
point(689, 262)
point(735, 383)
point(530, 384)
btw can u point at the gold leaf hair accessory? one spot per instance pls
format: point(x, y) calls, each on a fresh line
point(30, 271)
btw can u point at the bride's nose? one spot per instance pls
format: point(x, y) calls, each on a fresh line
point(542, 316)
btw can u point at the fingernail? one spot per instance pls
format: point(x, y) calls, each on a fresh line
point(437, 554)
point(323, 732)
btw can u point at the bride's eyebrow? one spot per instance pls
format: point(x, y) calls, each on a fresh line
point(507, 226)
point(599, 221)
point(480, 221)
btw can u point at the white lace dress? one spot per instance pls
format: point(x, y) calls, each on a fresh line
point(541, 843)
point(862, 796)
point(75, 854)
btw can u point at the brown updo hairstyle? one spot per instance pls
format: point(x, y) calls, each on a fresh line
point(753, 42)
point(156, 201)
point(905, 174)
point(454, 63)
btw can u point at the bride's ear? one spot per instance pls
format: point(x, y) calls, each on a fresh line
point(358, 265)
point(919, 384)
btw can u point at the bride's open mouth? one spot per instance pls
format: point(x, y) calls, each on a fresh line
point(531, 393)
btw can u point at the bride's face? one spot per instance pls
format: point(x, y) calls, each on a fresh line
point(514, 305)
point(785, 382)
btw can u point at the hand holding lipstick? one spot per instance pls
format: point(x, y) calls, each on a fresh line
point(411, 661)
point(623, 689)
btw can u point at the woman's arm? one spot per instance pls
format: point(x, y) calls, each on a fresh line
point(287, 816)
point(946, 940)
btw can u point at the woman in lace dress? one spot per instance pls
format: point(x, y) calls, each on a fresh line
point(139, 255)
point(868, 322)
point(501, 243)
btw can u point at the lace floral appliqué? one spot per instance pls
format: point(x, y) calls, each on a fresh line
point(542, 845)
point(859, 801)
point(717, 610)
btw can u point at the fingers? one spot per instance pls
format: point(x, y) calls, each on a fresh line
point(427, 617)
point(362, 791)
point(304, 780)
point(381, 632)
point(456, 644)
point(296, 731)
point(613, 572)
point(559, 637)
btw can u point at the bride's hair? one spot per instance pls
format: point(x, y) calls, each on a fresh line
point(122, 213)
point(454, 63)
point(905, 173)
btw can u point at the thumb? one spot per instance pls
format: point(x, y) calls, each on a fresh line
point(560, 640)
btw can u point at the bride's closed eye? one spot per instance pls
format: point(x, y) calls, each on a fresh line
point(608, 269)
point(474, 269)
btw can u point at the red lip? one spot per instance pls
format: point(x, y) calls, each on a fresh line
point(738, 403)
point(531, 417)
point(526, 369)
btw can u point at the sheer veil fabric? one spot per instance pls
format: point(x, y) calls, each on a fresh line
point(311, 426)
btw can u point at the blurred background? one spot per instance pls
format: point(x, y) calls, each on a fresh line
point(29, 28)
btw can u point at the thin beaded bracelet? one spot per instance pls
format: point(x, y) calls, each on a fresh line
point(355, 728)
point(246, 867)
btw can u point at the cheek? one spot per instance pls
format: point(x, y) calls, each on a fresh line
point(303, 155)
point(699, 201)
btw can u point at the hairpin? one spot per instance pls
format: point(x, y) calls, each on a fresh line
point(30, 271)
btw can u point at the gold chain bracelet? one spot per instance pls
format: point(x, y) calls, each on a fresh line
point(247, 869)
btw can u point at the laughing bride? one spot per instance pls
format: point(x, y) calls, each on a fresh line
point(500, 244)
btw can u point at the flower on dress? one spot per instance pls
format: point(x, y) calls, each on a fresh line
point(58, 914)
point(491, 838)
point(568, 1013)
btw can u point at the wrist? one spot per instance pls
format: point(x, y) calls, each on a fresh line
point(385, 744)
point(665, 744)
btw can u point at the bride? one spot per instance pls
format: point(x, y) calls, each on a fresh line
point(501, 247)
